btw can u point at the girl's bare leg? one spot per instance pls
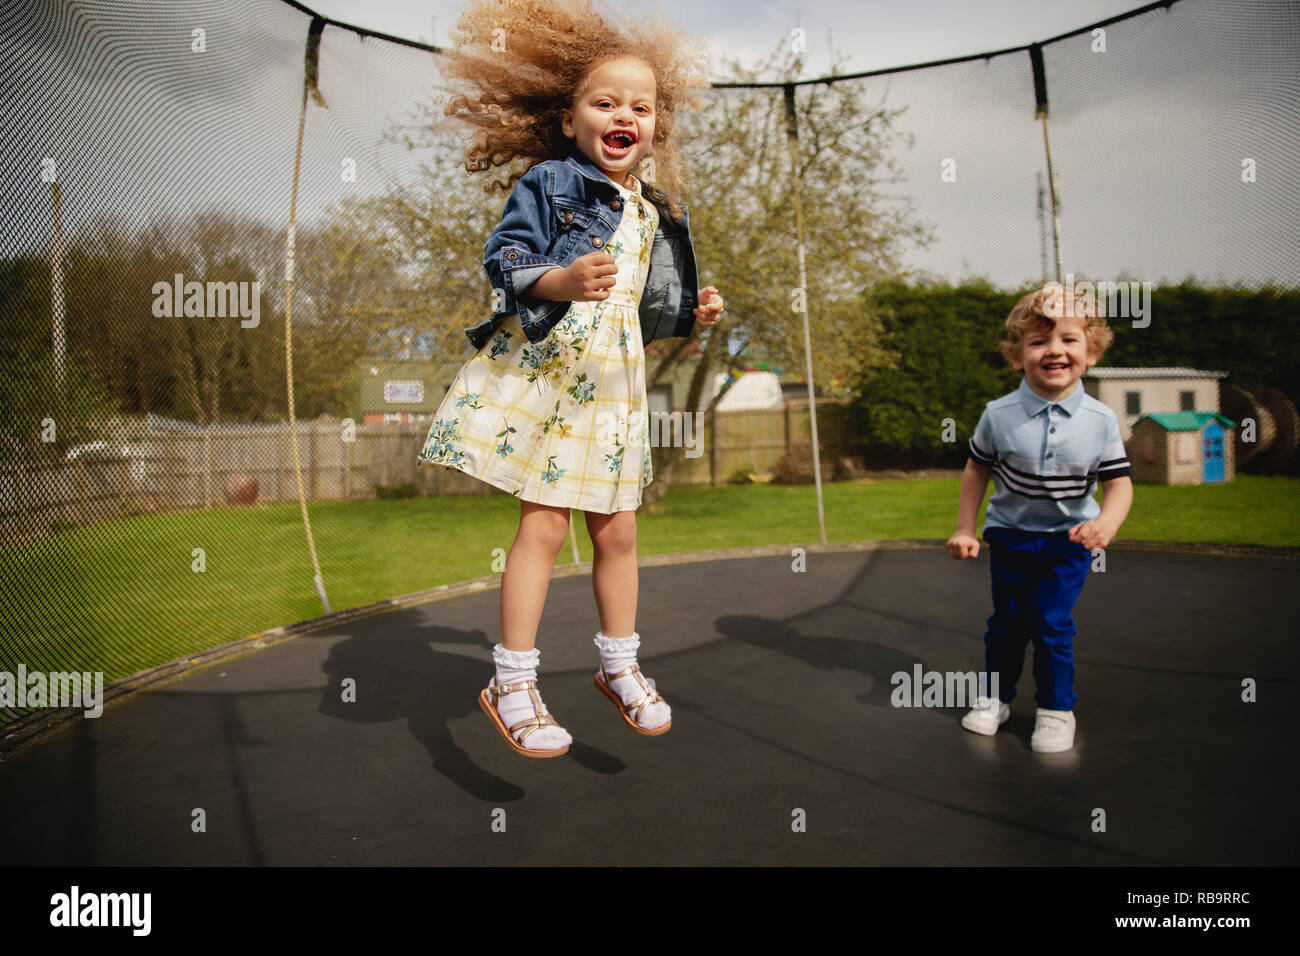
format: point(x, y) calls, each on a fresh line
point(614, 579)
point(614, 572)
point(527, 577)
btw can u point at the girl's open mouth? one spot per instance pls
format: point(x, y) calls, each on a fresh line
point(619, 142)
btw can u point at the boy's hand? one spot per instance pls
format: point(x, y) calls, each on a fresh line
point(963, 545)
point(586, 279)
point(710, 307)
point(1092, 534)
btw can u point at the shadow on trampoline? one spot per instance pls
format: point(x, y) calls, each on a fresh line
point(406, 677)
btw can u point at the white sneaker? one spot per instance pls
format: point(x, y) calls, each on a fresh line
point(986, 716)
point(1053, 731)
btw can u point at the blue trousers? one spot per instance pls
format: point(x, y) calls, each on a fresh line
point(1037, 578)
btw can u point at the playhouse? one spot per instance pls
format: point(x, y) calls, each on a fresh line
point(1182, 448)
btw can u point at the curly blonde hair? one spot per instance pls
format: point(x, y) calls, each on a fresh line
point(1039, 310)
point(526, 60)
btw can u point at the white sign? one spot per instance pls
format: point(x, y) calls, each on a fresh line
point(403, 393)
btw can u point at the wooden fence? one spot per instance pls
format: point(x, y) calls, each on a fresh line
point(178, 472)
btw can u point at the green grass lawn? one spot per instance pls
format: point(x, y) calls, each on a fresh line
point(123, 596)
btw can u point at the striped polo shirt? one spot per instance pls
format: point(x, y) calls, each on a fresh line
point(1047, 458)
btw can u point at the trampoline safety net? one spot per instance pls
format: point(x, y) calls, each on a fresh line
point(156, 501)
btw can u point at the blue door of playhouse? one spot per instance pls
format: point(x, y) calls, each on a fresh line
point(1212, 458)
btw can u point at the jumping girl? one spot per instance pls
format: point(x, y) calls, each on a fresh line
point(589, 263)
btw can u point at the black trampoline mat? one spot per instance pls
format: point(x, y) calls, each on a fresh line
point(780, 684)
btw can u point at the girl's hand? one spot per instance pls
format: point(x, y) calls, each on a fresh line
point(592, 276)
point(586, 279)
point(710, 307)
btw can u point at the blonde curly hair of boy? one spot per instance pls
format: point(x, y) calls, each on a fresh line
point(1039, 311)
point(526, 59)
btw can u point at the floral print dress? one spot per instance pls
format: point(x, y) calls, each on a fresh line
point(563, 421)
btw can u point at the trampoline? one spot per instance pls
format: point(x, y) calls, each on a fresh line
point(785, 747)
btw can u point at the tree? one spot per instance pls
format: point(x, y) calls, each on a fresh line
point(435, 229)
point(941, 366)
point(743, 227)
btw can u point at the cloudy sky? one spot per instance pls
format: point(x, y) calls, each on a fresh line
point(874, 33)
point(1152, 136)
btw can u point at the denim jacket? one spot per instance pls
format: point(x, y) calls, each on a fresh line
point(561, 210)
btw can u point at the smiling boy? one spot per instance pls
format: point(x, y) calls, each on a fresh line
point(1046, 446)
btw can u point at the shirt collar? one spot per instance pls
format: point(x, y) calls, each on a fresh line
point(579, 161)
point(1033, 403)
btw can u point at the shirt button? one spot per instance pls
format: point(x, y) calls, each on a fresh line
point(1052, 429)
point(1049, 454)
point(512, 255)
point(568, 217)
point(597, 241)
point(615, 205)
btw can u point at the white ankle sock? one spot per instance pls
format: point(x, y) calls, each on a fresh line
point(513, 667)
point(618, 653)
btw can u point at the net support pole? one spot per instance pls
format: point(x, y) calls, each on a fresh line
point(308, 86)
point(58, 306)
point(792, 140)
point(1040, 112)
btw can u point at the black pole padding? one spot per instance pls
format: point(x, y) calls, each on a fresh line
point(1040, 80)
point(311, 65)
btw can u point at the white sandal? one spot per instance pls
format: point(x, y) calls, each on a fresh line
point(632, 712)
point(491, 696)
